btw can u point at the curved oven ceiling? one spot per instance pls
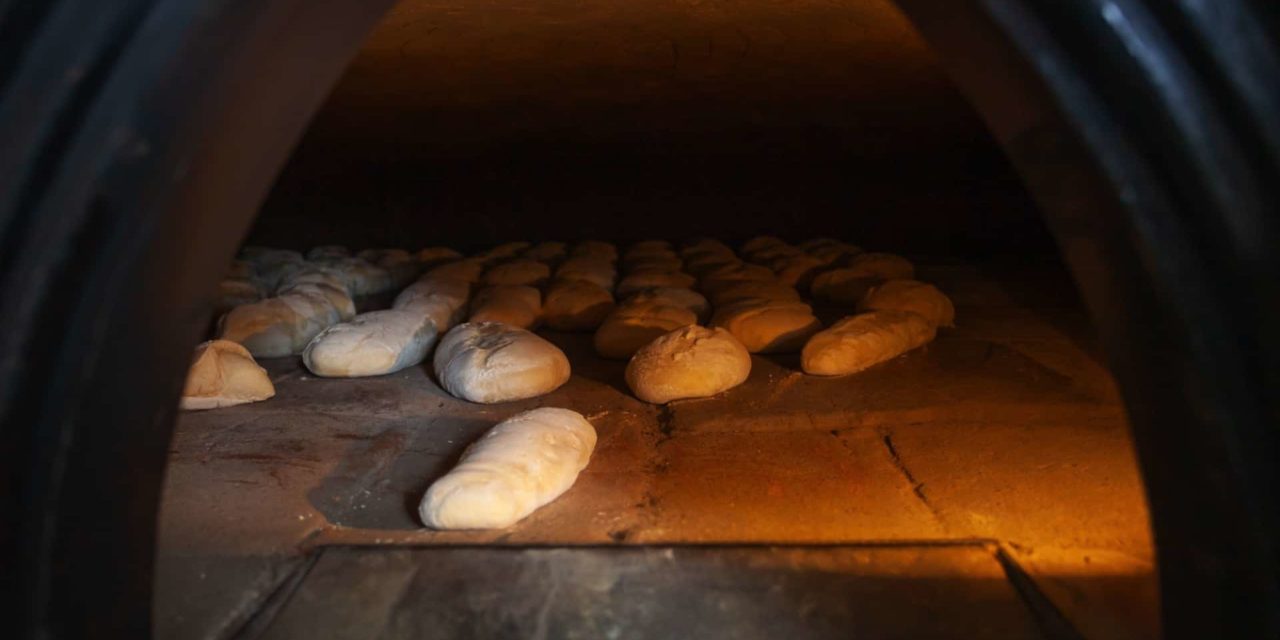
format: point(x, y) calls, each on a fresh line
point(671, 108)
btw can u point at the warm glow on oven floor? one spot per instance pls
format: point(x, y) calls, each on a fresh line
point(1005, 433)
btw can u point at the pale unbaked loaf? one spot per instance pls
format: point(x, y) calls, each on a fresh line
point(376, 256)
point(516, 467)
point(280, 326)
point(639, 281)
point(516, 305)
point(372, 344)
point(867, 339)
point(428, 286)
point(637, 323)
point(492, 362)
point(914, 296)
point(336, 296)
point(223, 374)
point(768, 327)
point(576, 305)
point(690, 362)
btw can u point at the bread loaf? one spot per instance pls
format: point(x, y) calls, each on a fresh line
point(492, 362)
point(576, 305)
point(517, 272)
point(515, 305)
point(690, 362)
point(637, 323)
point(372, 344)
point(768, 327)
point(223, 374)
point(910, 295)
point(862, 341)
point(515, 468)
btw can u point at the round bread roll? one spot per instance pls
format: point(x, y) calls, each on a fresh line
point(858, 342)
point(769, 327)
point(372, 344)
point(911, 295)
point(576, 305)
point(223, 374)
point(842, 286)
point(734, 292)
point(635, 324)
point(675, 297)
point(467, 270)
point(760, 242)
point(690, 362)
point(523, 463)
point(640, 281)
point(595, 249)
point(431, 256)
point(492, 362)
point(550, 252)
point(596, 270)
point(516, 305)
point(520, 272)
point(705, 245)
point(432, 285)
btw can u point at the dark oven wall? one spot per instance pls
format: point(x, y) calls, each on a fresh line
point(539, 120)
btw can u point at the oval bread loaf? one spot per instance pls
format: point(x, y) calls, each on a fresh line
point(492, 362)
point(690, 362)
point(515, 468)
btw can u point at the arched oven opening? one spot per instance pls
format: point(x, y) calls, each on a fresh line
point(1086, 186)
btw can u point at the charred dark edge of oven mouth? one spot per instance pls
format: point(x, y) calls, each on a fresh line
point(1048, 618)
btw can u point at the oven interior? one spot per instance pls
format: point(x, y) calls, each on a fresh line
point(981, 486)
